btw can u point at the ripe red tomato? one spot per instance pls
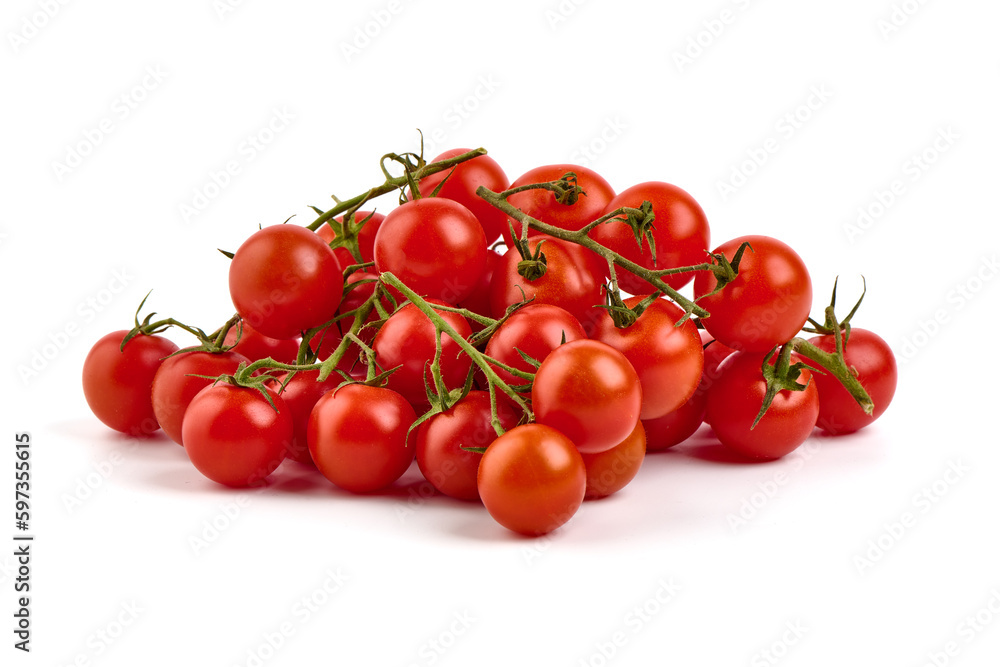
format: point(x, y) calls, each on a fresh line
point(735, 399)
point(668, 358)
point(680, 231)
point(357, 437)
point(300, 395)
point(479, 300)
point(234, 436)
point(536, 330)
point(532, 479)
point(461, 187)
point(677, 426)
point(254, 345)
point(768, 301)
point(542, 204)
point(589, 391)
point(356, 297)
point(366, 238)
point(715, 353)
point(449, 468)
point(284, 279)
point(175, 384)
point(117, 383)
point(870, 356)
point(435, 246)
point(407, 340)
point(610, 471)
point(574, 280)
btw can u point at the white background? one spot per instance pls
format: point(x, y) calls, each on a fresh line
point(822, 571)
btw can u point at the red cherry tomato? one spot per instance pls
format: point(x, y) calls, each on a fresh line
point(366, 238)
point(284, 279)
point(871, 358)
point(677, 426)
point(117, 383)
point(735, 399)
point(589, 391)
point(768, 301)
point(254, 345)
point(234, 436)
point(536, 330)
point(574, 280)
point(176, 383)
point(461, 187)
point(542, 204)
point(407, 340)
point(668, 358)
point(532, 479)
point(357, 437)
point(449, 468)
point(300, 395)
point(479, 300)
point(680, 231)
point(610, 471)
point(435, 246)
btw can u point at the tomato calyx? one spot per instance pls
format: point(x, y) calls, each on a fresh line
point(725, 269)
point(831, 325)
point(781, 376)
point(533, 265)
point(213, 342)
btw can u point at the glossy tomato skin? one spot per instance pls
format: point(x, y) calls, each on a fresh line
point(479, 300)
point(366, 238)
point(284, 279)
point(735, 399)
point(766, 304)
point(542, 204)
point(175, 384)
point(532, 479)
point(117, 383)
point(574, 280)
point(300, 395)
point(610, 471)
point(254, 345)
point(589, 391)
point(872, 358)
point(407, 340)
point(357, 437)
point(676, 426)
point(461, 187)
point(449, 468)
point(680, 230)
point(715, 353)
point(234, 436)
point(668, 358)
point(536, 330)
point(435, 246)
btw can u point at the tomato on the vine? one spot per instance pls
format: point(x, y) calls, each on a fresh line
point(254, 345)
point(610, 471)
point(300, 395)
point(680, 231)
point(463, 180)
point(589, 391)
point(357, 437)
point(768, 301)
point(536, 330)
point(366, 238)
point(532, 479)
point(117, 382)
point(284, 279)
point(677, 425)
point(234, 436)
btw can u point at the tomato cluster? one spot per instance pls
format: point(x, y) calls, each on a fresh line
point(480, 328)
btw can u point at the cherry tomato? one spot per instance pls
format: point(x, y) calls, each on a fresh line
point(366, 238)
point(542, 204)
point(680, 231)
point(589, 391)
point(356, 297)
point(357, 437)
point(234, 436)
point(574, 280)
point(536, 330)
point(479, 300)
point(176, 383)
point(449, 468)
point(715, 354)
point(532, 479)
point(435, 246)
point(768, 301)
point(254, 345)
point(676, 426)
point(668, 358)
point(735, 399)
point(870, 356)
point(284, 279)
point(117, 383)
point(407, 340)
point(300, 395)
point(461, 187)
point(611, 470)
